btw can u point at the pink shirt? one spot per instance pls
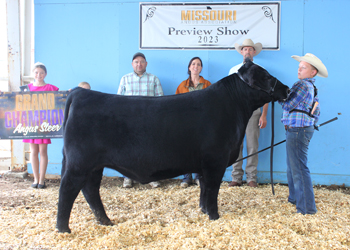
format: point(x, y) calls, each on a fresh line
point(32, 88)
point(46, 87)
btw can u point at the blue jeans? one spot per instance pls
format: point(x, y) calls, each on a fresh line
point(301, 191)
point(188, 177)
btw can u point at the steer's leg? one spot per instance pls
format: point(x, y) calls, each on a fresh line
point(212, 191)
point(71, 184)
point(64, 163)
point(91, 191)
point(212, 177)
point(203, 197)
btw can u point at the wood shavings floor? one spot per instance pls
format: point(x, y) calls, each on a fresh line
point(169, 218)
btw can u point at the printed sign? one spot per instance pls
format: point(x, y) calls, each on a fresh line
point(208, 25)
point(32, 115)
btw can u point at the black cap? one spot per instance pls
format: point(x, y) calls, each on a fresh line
point(138, 54)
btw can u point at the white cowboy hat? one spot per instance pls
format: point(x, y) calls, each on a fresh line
point(249, 43)
point(314, 61)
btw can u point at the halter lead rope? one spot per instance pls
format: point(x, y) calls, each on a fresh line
point(272, 143)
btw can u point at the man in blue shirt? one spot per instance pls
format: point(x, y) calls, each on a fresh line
point(139, 83)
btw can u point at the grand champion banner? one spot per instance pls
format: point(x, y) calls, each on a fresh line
point(208, 25)
point(32, 115)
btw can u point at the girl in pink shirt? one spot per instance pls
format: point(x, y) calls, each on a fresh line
point(39, 146)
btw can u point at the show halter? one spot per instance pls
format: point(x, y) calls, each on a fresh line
point(269, 92)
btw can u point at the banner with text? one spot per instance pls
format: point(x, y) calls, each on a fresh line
point(32, 115)
point(208, 25)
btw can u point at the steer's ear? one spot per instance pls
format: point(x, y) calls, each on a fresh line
point(247, 60)
point(247, 72)
point(245, 67)
point(243, 72)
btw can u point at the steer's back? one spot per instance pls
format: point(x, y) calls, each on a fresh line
point(144, 138)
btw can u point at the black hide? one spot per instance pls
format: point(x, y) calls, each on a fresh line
point(155, 138)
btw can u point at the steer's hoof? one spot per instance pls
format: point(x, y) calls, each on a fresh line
point(63, 230)
point(106, 222)
point(214, 216)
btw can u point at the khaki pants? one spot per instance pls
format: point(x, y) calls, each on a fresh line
point(252, 139)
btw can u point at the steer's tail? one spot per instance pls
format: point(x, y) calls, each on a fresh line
point(66, 114)
point(66, 110)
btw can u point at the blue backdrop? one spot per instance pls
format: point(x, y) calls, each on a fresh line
point(94, 40)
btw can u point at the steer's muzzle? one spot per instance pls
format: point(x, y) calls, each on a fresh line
point(281, 92)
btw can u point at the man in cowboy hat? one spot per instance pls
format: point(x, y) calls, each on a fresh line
point(249, 49)
point(300, 114)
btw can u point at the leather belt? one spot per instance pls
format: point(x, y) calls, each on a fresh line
point(286, 127)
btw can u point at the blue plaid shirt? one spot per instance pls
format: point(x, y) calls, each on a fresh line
point(301, 97)
point(146, 85)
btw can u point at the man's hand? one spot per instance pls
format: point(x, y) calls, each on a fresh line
point(262, 122)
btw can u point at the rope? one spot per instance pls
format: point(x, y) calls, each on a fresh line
point(272, 142)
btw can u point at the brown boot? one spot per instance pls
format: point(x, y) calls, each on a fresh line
point(252, 184)
point(234, 184)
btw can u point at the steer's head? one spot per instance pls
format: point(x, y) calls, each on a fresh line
point(258, 78)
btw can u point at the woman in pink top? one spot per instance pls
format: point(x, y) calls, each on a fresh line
point(39, 146)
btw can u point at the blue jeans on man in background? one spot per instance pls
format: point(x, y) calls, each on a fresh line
point(188, 177)
point(298, 174)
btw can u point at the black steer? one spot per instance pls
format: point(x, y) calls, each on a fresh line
point(154, 138)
